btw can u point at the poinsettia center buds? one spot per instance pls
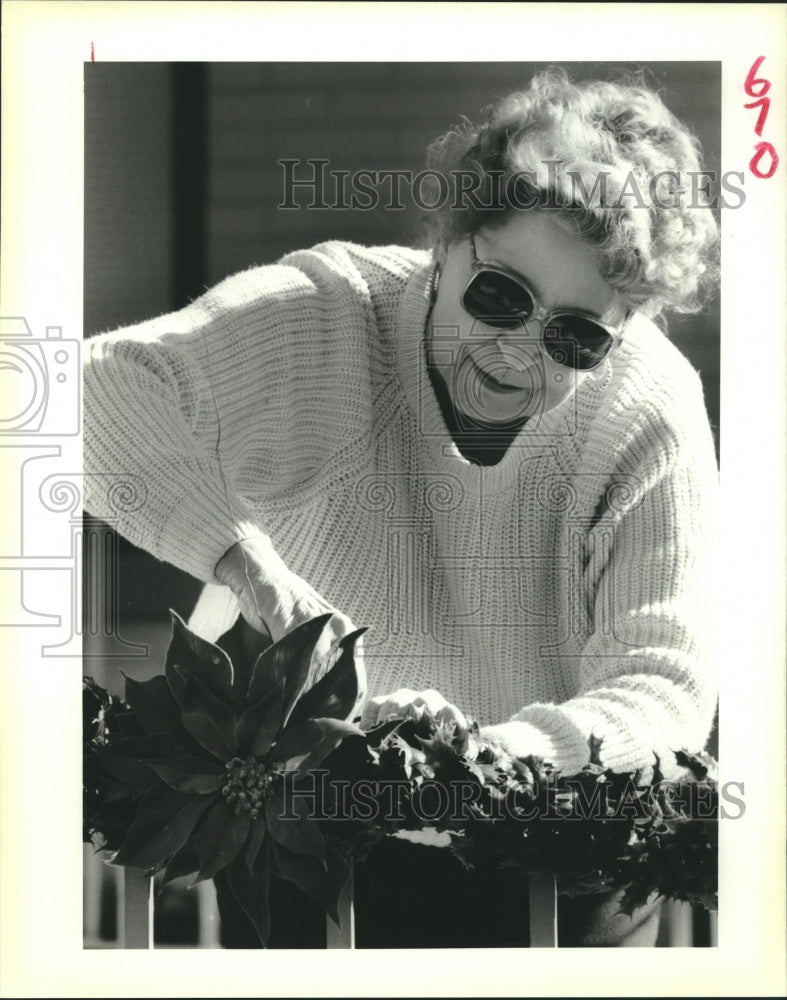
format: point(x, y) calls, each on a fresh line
point(249, 783)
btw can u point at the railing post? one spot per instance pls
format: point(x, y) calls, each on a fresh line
point(543, 911)
point(676, 930)
point(135, 910)
point(344, 935)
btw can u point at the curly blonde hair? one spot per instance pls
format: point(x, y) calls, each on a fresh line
point(547, 147)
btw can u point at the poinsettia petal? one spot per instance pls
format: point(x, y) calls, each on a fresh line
point(146, 747)
point(259, 725)
point(195, 658)
point(118, 792)
point(156, 710)
point(251, 893)
point(296, 741)
point(287, 661)
point(294, 829)
point(180, 865)
point(134, 774)
point(210, 721)
point(306, 872)
point(350, 760)
point(127, 725)
point(330, 732)
point(152, 702)
point(127, 759)
point(218, 839)
point(335, 695)
point(190, 774)
point(163, 823)
point(243, 644)
point(253, 843)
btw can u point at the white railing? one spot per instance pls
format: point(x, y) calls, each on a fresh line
point(135, 900)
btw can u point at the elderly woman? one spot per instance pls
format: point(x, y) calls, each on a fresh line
point(488, 452)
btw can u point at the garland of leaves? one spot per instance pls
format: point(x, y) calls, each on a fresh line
point(240, 764)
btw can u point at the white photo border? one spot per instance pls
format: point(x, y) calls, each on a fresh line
point(45, 46)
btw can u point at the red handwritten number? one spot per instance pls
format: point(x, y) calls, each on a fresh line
point(764, 103)
point(758, 87)
point(754, 164)
point(752, 81)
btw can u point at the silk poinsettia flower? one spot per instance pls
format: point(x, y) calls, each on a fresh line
point(221, 744)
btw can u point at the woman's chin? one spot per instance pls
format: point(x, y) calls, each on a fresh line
point(492, 406)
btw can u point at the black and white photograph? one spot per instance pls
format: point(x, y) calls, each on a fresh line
point(390, 547)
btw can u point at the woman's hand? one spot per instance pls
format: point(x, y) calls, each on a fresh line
point(273, 599)
point(405, 702)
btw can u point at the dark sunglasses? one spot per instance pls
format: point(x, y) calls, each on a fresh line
point(502, 299)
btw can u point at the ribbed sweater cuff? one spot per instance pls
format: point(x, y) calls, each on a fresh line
point(567, 751)
point(196, 540)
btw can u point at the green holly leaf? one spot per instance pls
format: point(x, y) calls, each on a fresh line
point(635, 896)
point(294, 830)
point(595, 743)
point(163, 823)
point(375, 737)
point(190, 657)
point(336, 694)
point(190, 774)
point(698, 764)
point(285, 665)
point(95, 701)
point(218, 839)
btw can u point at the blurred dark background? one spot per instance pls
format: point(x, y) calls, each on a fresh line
point(182, 188)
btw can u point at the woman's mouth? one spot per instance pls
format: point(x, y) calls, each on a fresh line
point(500, 382)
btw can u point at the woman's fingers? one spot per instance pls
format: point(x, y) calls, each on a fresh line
point(274, 601)
point(382, 707)
point(407, 702)
point(450, 713)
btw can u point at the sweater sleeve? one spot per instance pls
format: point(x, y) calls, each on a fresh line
point(646, 672)
point(207, 408)
point(151, 419)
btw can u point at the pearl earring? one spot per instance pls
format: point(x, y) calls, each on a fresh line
point(435, 284)
point(600, 384)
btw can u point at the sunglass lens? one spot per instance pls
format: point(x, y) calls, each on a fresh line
point(497, 300)
point(577, 342)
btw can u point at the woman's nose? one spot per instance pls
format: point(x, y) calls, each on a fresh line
point(526, 334)
point(522, 345)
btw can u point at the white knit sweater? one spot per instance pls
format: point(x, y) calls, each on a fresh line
point(561, 592)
